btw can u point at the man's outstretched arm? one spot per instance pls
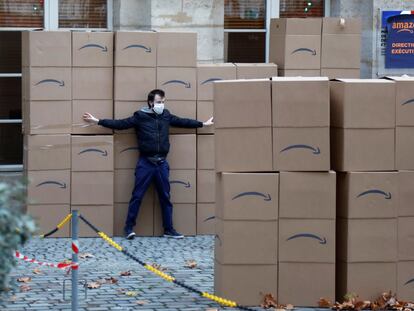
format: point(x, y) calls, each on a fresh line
point(188, 123)
point(120, 124)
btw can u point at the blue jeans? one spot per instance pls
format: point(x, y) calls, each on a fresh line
point(145, 173)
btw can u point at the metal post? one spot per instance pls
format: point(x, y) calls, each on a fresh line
point(75, 251)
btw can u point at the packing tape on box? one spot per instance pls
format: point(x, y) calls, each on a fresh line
point(58, 146)
point(55, 126)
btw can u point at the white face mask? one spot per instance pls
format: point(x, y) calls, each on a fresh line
point(158, 108)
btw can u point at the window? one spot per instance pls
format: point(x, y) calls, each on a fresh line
point(83, 13)
point(21, 13)
point(302, 8)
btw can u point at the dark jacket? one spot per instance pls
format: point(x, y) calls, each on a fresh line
point(152, 130)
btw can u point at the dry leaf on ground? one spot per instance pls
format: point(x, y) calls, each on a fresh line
point(125, 273)
point(269, 301)
point(24, 279)
point(37, 271)
point(191, 264)
point(131, 293)
point(25, 288)
point(141, 302)
point(85, 255)
point(324, 303)
point(93, 285)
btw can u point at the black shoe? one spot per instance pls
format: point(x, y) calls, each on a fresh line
point(130, 236)
point(172, 234)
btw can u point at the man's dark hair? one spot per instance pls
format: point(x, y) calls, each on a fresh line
point(151, 95)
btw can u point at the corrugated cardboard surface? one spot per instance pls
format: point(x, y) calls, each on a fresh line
point(405, 280)
point(205, 110)
point(205, 152)
point(184, 218)
point(296, 26)
point(205, 218)
point(206, 187)
point(101, 216)
point(136, 48)
point(133, 83)
point(342, 73)
point(256, 70)
point(404, 148)
point(126, 150)
point(92, 83)
point(404, 100)
point(208, 73)
point(300, 73)
point(183, 186)
point(101, 109)
point(47, 216)
point(177, 49)
point(182, 109)
point(126, 109)
point(124, 180)
point(92, 188)
point(178, 83)
point(92, 49)
point(405, 238)
point(406, 193)
point(48, 187)
point(182, 155)
point(341, 51)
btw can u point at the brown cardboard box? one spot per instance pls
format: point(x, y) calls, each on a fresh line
point(295, 43)
point(300, 73)
point(136, 48)
point(92, 153)
point(363, 149)
point(246, 284)
point(343, 73)
point(178, 83)
point(92, 188)
point(57, 120)
point(126, 109)
point(364, 240)
point(307, 240)
point(301, 149)
point(405, 280)
point(307, 195)
point(205, 218)
point(92, 83)
point(243, 149)
point(101, 216)
point(406, 193)
point(183, 186)
point(303, 284)
point(308, 107)
point(123, 185)
point(47, 83)
point(405, 238)
point(247, 196)
point(369, 280)
point(182, 155)
point(46, 48)
point(246, 242)
point(242, 103)
point(92, 49)
point(256, 70)
point(184, 219)
point(206, 188)
point(363, 103)
point(126, 150)
point(205, 112)
point(48, 216)
point(404, 100)
point(368, 195)
point(182, 109)
point(134, 83)
point(209, 73)
point(404, 148)
point(177, 49)
point(46, 152)
point(205, 152)
point(48, 187)
point(101, 109)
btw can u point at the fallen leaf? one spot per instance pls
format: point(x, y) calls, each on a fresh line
point(211, 309)
point(191, 264)
point(125, 273)
point(25, 288)
point(111, 280)
point(158, 266)
point(131, 293)
point(24, 280)
point(13, 298)
point(269, 302)
point(141, 302)
point(324, 303)
point(289, 307)
point(85, 255)
point(122, 291)
point(37, 271)
point(93, 285)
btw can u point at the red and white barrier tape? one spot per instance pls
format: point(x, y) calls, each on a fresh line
point(60, 265)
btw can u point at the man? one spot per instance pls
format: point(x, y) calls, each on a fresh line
point(152, 126)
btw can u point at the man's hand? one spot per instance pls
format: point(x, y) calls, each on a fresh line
point(209, 122)
point(90, 118)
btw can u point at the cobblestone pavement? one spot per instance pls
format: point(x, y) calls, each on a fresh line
point(151, 292)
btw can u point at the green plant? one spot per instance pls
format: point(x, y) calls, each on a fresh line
point(16, 227)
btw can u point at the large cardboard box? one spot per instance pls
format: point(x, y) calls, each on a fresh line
point(367, 240)
point(206, 188)
point(57, 120)
point(48, 216)
point(245, 284)
point(92, 188)
point(295, 43)
point(300, 102)
point(126, 150)
point(182, 155)
point(209, 73)
point(48, 187)
point(343, 73)
point(101, 216)
point(177, 49)
point(46, 49)
point(341, 42)
point(126, 109)
point(406, 193)
point(101, 109)
point(205, 110)
point(205, 218)
point(243, 149)
point(182, 109)
point(369, 280)
point(47, 83)
point(124, 181)
point(246, 242)
point(178, 83)
point(303, 284)
point(405, 280)
point(256, 70)
point(405, 238)
point(134, 83)
point(46, 152)
point(404, 148)
point(136, 48)
point(368, 195)
point(183, 186)
point(92, 153)
point(247, 196)
point(363, 149)
point(205, 152)
point(92, 83)
point(404, 100)
point(92, 49)
point(242, 103)
point(301, 149)
point(363, 103)
point(300, 73)
point(184, 218)
point(307, 195)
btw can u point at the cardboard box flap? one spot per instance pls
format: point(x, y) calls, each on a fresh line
point(288, 79)
point(296, 26)
point(339, 25)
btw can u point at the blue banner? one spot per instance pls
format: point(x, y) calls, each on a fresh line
point(400, 41)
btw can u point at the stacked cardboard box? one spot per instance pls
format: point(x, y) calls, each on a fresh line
point(255, 70)
point(46, 93)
